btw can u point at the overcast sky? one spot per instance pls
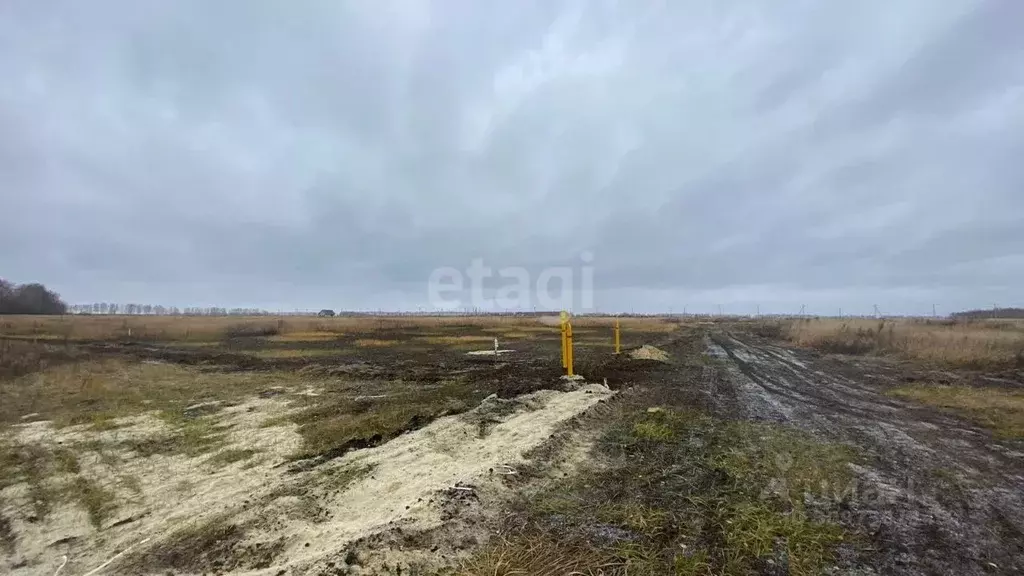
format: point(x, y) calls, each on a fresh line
point(322, 153)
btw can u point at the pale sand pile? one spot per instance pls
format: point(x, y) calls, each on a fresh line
point(166, 493)
point(410, 470)
point(648, 352)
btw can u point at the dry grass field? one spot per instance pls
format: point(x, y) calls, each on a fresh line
point(212, 328)
point(196, 432)
point(989, 344)
point(991, 348)
point(227, 445)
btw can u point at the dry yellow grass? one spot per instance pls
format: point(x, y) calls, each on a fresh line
point(304, 336)
point(520, 334)
point(538, 558)
point(451, 340)
point(166, 328)
point(646, 324)
point(960, 344)
point(97, 390)
point(369, 342)
point(1000, 410)
point(206, 328)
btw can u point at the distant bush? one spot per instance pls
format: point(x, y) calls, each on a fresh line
point(993, 313)
point(29, 299)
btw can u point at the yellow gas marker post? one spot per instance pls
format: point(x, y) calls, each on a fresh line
point(564, 322)
point(618, 348)
point(568, 349)
point(566, 343)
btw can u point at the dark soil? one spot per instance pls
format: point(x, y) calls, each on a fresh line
point(936, 494)
point(7, 538)
point(533, 366)
point(930, 494)
point(217, 547)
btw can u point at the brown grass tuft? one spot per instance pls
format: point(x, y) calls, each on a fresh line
point(538, 558)
point(374, 342)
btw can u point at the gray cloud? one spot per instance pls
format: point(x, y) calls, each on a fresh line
point(335, 153)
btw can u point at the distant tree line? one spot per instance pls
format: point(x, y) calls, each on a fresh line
point(991, 313)
point(159, 310)
point(29, 299)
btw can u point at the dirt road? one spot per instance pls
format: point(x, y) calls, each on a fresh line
point(934, 494)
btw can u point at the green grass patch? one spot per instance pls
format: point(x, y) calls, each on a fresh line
point(200, 547)
point(52, 477)
point(188, 436)
point(690, 494)
point(231, 456)
point(98, 392)
point(337, 421)
point(653, 431)
point(66, 461)
point(313, 489)
point(97, 501)
point(34, 465)
point(998, 409)
point(8, 540)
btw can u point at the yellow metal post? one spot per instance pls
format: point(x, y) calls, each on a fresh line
point(565, 354)
point(618, 348)
point(565, 358)
point(568, 348)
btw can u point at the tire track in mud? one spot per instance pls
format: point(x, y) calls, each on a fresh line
point(773, 370)
point(935, 494)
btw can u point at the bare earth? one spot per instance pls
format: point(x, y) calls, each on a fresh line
point(935, 494)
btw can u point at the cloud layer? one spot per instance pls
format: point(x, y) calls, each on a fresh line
point(326, 153)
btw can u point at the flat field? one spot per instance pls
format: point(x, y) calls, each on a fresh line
point(383, 445)
point(263, 442)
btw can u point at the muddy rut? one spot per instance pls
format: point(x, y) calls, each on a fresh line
point(934, 494)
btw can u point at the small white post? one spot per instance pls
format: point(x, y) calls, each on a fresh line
point(495, 346)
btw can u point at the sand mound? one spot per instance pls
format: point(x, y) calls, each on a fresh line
point(411, 470)
point(648, 352)
point(273, 519)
